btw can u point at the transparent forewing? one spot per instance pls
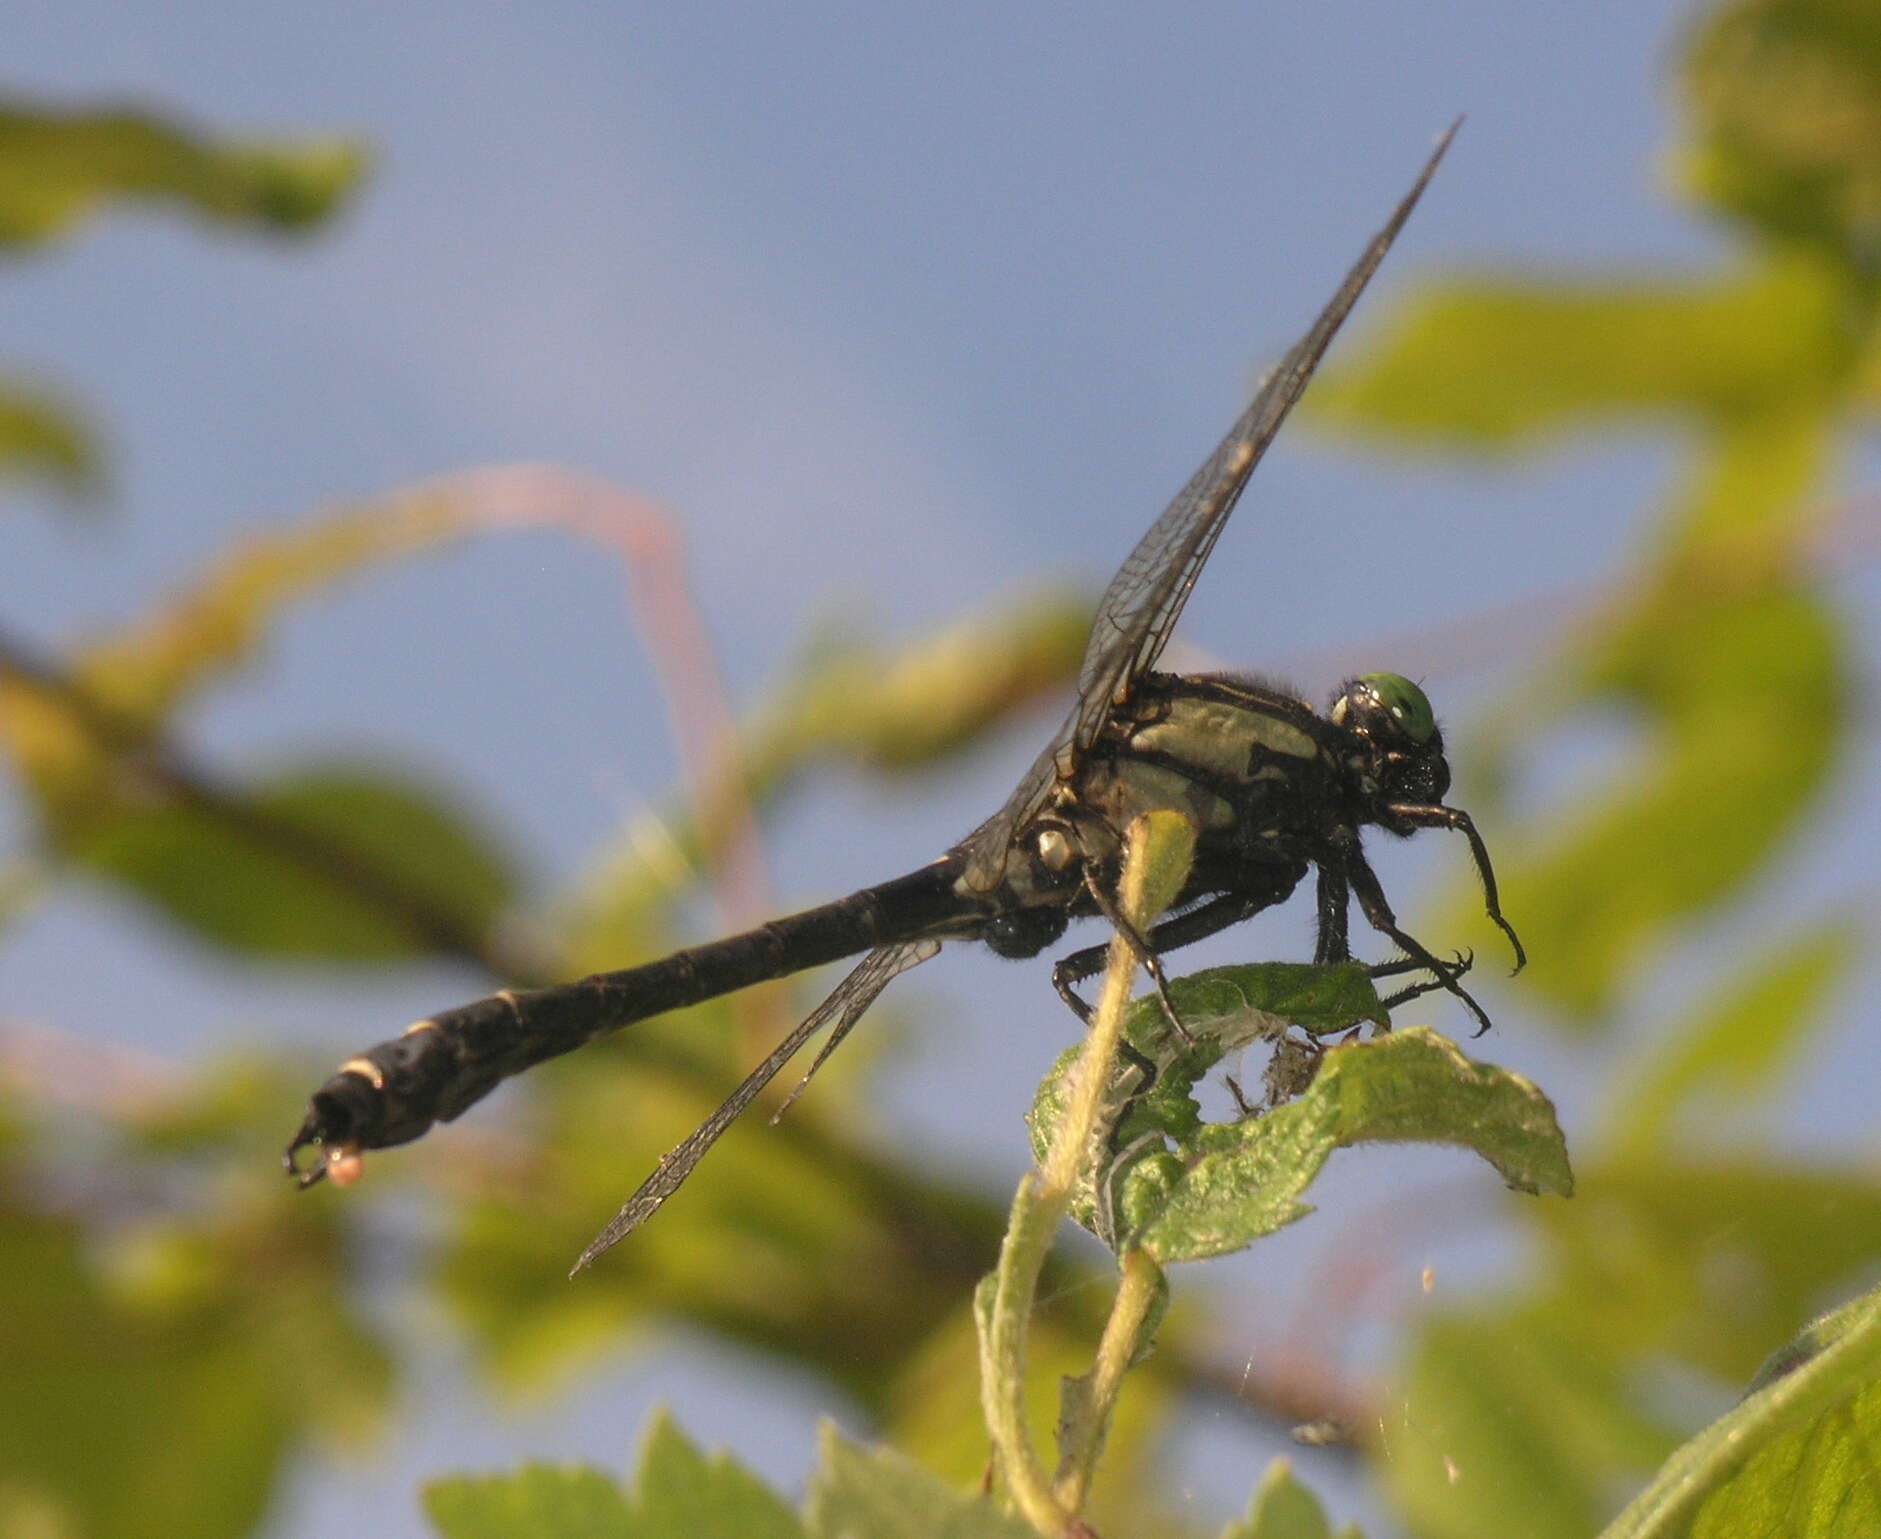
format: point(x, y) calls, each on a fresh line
point(845, 1006)
point(1144, 599)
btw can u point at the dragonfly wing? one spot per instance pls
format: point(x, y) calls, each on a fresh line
point(845, 1006)
point(1140, 607)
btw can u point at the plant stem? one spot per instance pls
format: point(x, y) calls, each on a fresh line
point(1086, 1427)
point(1004, 1308)
point(1157, 855)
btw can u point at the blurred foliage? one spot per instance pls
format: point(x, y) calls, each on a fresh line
point(161, 1360)
point(343, 864)
point(844, 704)
point(679, 1494)
point(1688, 1250)
point(1794, 1457)
point(59, 167)
point(1285, 1509)
point(177, 1326)
point(44, 437)
point(1785, 104)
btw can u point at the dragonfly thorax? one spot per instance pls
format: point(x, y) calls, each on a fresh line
point(1252, 768)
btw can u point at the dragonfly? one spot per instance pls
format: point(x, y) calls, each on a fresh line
point(1273, 788)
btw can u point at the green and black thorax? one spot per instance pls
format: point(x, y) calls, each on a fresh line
point(1271, 786)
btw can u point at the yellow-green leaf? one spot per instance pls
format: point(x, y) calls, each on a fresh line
point(1796, 1458)
point(157, 1375)
point(1741, 1038)
point(877, 1492)
point(44, 438)
point(1503, 363)
point(539, 1501)
point(1285, 1509)
point(340, 864)
point(1741, 701)
point(1232, 1183)
point(678, 1493)
point(1784, 98)
point(215, 625)
point(58, 166)
point(1658, 1291)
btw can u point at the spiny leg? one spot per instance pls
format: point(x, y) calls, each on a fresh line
point(1377, 910)
point(1461, 822)
point(1453, 970)
point(1334, 902)
point(1171, 934)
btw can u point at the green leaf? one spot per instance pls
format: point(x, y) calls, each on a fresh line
point(1795, 1458)
point(336, 863)
point(332, 863)
point(539, 1501)
point(1721, 1256)
point(927, 701)
point(57, 167)
point(859, 1493)
point(158, 1374)
point(1499, 364)
point(1513, 1423)
point(1227, 1185)
point(855, 1493)
point(70, 734)
point(1661, 1276)
point(218, 624)
point(1223, 1010)
point(45, 438)
point(1285, 1509)
point(678, 1494)
point(1742, 701)
point(1739, 1040)
point(1741, 523)
point(1784, 98)
point(682, 1494)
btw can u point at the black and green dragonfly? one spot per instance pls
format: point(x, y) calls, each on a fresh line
point(1273, 789)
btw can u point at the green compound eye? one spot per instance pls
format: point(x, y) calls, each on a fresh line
point(1409, 706)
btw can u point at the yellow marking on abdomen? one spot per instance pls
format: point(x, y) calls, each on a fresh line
point(367, 1070)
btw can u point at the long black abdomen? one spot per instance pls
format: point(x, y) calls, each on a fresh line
point(394, 1092)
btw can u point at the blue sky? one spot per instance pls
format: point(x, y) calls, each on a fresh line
point(896, 310)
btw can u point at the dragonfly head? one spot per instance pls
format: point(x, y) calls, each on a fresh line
point(1392, 718)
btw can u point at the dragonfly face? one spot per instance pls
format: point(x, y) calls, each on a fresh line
point(1391, 719)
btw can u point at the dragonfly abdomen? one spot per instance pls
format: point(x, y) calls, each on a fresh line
point(439, 1067)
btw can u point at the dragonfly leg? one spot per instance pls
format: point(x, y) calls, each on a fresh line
point(1178, 930)
point(1465, 960)
point(1072, 970)
point(1142, 1063)
point(1372, 903)
point(1461, 822)
point(1335, 902)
